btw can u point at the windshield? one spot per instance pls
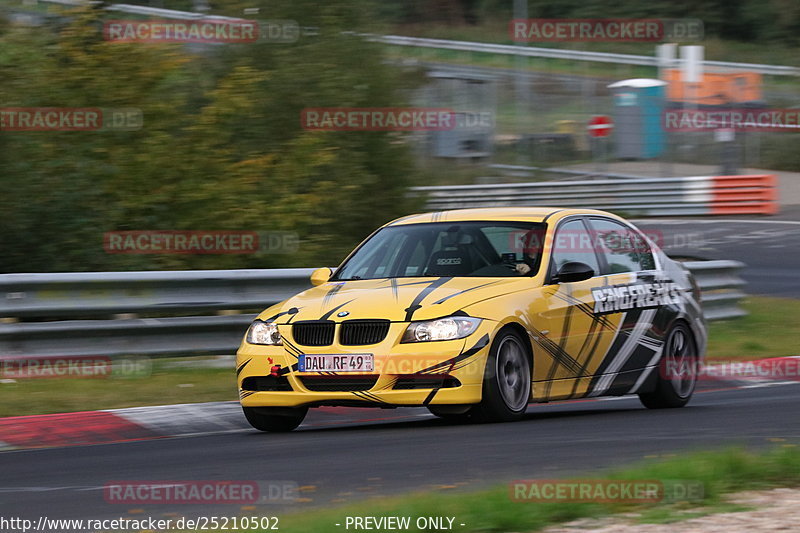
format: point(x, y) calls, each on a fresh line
point(460, 249)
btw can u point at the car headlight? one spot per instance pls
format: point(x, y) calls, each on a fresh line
point(261, 332)
point(441, 329)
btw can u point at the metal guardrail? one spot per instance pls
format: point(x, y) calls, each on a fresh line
point(528, 171)
point(65, 297)
point(85, 294)
point(146, 11)
point(99, 294)
point(177, 336)
point(573, 55)
point(720, 287)
point(696, 195)
point(466, 46)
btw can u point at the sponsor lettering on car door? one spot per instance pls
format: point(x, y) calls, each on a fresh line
point(572, 338)
point(633, 292)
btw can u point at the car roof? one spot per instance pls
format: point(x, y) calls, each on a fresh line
point(526, 214)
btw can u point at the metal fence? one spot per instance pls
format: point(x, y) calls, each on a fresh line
point(70, 310)
point(544, 97)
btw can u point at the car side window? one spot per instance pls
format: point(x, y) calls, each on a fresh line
point(572, 243)
point(624, 249)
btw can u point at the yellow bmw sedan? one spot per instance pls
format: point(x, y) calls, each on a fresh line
point(474, 314)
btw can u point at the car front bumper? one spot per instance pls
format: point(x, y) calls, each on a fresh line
point(405, 374)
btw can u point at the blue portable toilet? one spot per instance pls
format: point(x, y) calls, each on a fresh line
point(638, 124)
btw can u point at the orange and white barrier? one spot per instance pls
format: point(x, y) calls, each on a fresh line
point(744, 195)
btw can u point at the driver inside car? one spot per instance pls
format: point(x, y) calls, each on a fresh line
point(531, 247)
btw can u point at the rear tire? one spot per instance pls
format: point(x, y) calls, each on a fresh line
point(677, 371)
point(506, 380)
point(275, 419)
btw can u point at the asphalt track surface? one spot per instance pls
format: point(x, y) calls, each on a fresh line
point(369, 452)
point(769, 246)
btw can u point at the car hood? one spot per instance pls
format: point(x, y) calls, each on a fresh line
point(397, 299)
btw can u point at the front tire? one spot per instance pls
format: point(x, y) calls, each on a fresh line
point(454, 413)
point(275, 419)
point(677, 371)
point(506, 380)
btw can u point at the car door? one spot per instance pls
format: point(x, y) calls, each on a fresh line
point(572, 340)
point(627, 299)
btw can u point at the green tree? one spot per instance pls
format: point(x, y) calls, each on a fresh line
point(221, 146)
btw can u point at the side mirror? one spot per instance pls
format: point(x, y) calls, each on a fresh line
point(321, 275)
point(573, 271)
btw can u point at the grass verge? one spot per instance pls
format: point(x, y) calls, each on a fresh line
point(164, 384)
point(770, 329)
point(720, 472)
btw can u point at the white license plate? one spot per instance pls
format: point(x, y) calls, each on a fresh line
point(351, 362)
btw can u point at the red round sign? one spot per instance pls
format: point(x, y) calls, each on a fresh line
point(600, 126)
